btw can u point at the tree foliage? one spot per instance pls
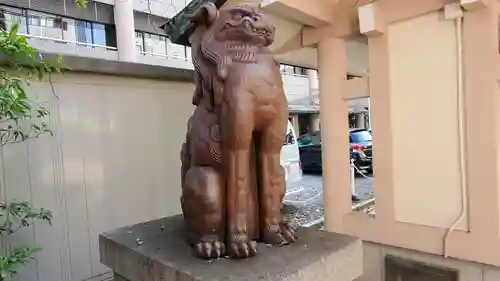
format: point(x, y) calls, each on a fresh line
point(21, 118)
point(15, 215)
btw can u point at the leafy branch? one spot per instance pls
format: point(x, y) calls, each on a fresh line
point(21, 118)
point(15, 258)
point(16, 214)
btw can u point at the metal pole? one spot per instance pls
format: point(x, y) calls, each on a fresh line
point(354, 197)
point(370, 113)
point(353, 178)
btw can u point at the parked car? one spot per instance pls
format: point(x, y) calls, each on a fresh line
point(360, 150)
point(290, 159)
point(361, 144)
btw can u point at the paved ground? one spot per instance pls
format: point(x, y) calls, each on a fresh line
point(304, 200)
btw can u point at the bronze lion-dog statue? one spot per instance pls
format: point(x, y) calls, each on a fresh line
point(232, 181)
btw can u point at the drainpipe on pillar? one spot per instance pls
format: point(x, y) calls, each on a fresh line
point(369, 113)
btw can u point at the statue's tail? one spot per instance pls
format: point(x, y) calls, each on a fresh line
point(184, 162)
point(185, 156)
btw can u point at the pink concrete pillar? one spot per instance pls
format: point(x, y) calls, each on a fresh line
point(332, 68)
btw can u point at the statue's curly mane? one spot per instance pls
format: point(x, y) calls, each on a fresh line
point(210, 66)
point(212, 57)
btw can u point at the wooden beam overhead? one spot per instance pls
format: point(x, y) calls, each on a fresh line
point(346, 23)
point(315, 13)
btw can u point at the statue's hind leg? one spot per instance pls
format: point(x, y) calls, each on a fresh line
point(203, 209)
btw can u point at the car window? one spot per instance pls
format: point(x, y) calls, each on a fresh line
point(316, 138)
point(306, 139)
point(360, 136)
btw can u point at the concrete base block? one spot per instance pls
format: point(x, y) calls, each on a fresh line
point(156, 251)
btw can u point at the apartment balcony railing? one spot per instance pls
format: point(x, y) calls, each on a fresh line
point(297, 87)
point(70, 47)
point(64, 41)
point(164, 56)
point(165, 60)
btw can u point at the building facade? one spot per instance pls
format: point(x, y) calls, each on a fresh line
point(130, 31)
point(126, 31)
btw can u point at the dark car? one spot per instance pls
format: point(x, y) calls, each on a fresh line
point(360, 150)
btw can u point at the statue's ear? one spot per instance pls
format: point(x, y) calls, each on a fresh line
point(206, 14)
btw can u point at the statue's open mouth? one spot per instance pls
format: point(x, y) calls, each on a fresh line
point(246, 28)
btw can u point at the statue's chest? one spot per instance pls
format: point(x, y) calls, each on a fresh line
point(261, 74)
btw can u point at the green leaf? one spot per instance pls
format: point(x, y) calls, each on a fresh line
point(81, 4)
point(21, 214)
point(14, 259)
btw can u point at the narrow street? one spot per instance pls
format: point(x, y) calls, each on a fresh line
point(304, 200)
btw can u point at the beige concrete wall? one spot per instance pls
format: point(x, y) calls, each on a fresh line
point(374, 254)
point(113, 161)
point(425, 146)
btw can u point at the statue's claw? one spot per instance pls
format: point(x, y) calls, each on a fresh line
point(210, 248)
point(241, 247)
point(283, 234)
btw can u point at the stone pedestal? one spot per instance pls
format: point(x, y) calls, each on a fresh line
point(156, 251)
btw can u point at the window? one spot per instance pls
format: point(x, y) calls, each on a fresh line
point(77, 31)
point(84, 32)
point(290, 69)
point(155, 44)
point(152, 44)
point(99, 34)
point(139, 41)
point(15, 16)
point(175, 50)
point(50, 26)
point(360, 136)
point(316, 138)
point(44, 25)
point(313, 138)
point(300, 70)
point(286, 68)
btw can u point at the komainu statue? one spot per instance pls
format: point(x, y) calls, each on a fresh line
point(232, 181)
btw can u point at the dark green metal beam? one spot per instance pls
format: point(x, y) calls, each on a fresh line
point(179, 28)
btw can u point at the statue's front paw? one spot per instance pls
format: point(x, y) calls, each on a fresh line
point(279, 235)
point(210, 247)
point(241, 247)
